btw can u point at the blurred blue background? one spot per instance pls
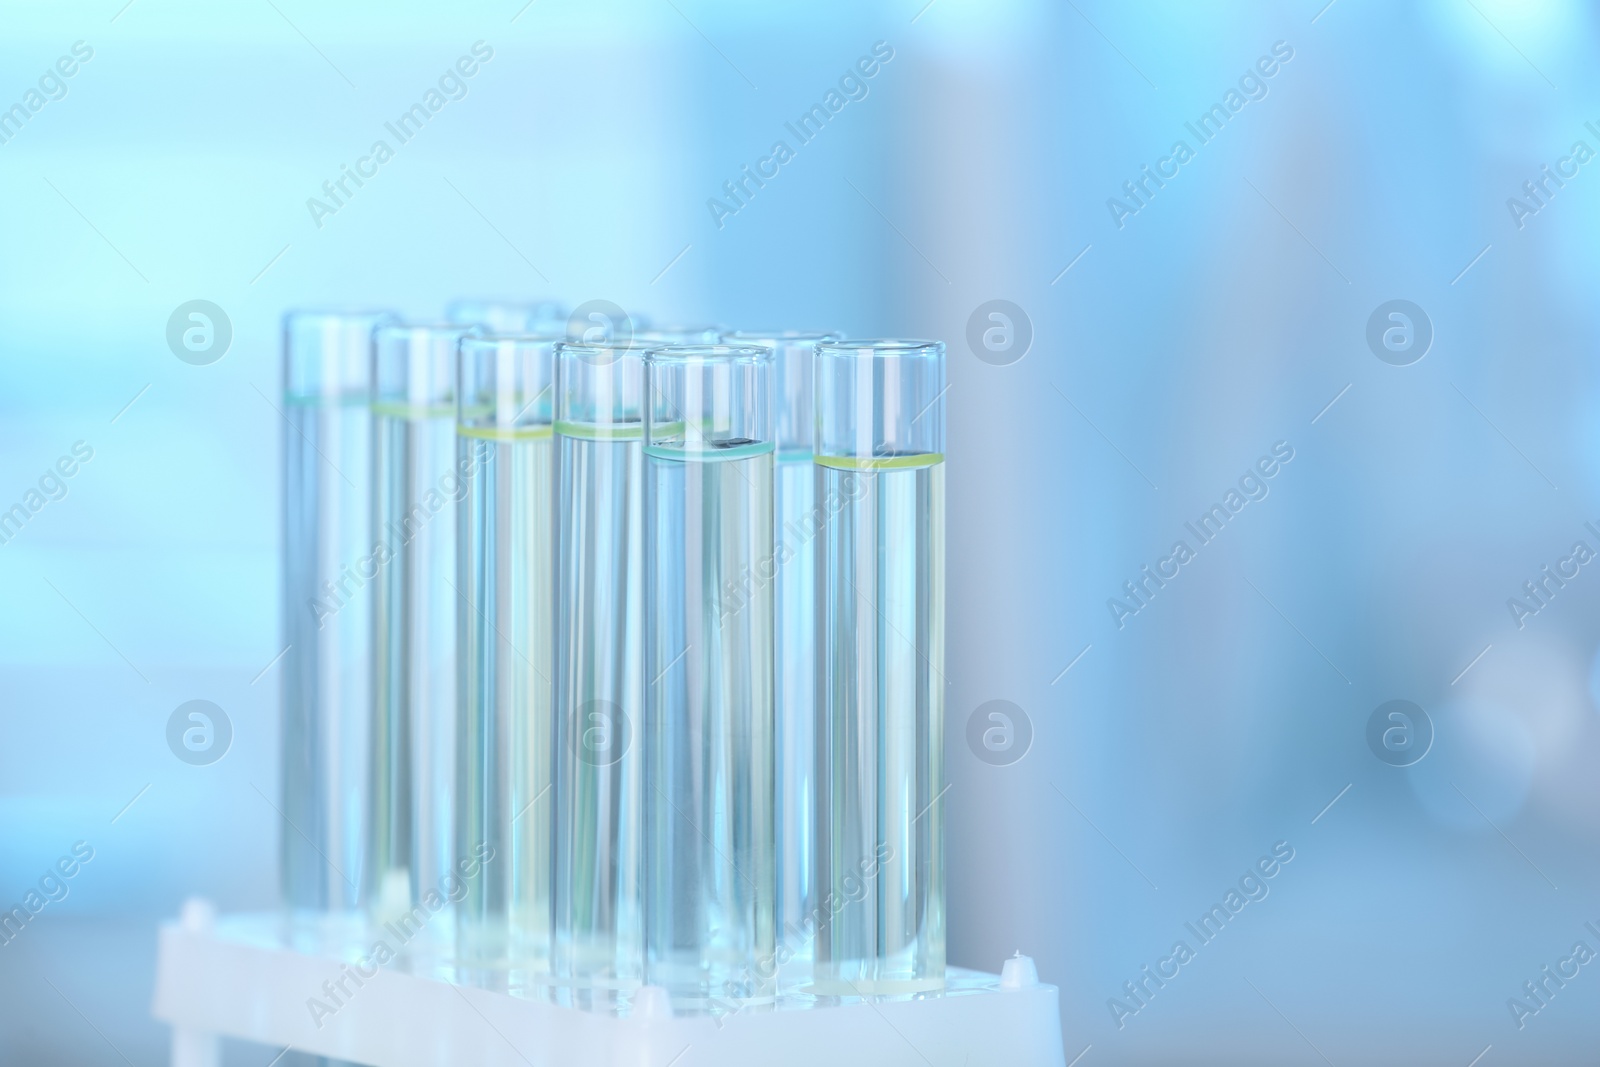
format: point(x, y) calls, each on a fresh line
point(1225, 316)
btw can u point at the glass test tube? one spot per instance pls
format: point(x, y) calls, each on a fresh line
point(505, 394)
point(598, 934)
point(648, 337)
point(710, 875)
point(879, 458)
point(602, 322)
point(509, 317)
point(797, 522)
point(415, 480)
point(327, 562)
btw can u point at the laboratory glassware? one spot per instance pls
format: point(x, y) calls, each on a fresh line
point(416, 482)
point(710, 570)
point(327, 566)
point(879, 462)
point(504, 397)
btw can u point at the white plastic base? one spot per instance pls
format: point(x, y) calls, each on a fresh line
point(253, 977)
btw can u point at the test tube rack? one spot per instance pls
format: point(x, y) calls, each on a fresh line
point(253, 977)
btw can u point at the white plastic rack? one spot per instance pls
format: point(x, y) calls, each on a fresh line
point(255, 977)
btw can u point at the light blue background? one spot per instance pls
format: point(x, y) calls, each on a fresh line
point(1222, 318)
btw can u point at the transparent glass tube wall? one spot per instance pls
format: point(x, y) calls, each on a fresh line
point(708, 733)
point(505, 394)
point(648, 337)
point(509, 317)
point(327, 564)
point(415, 483)
point(879, 459)
point(599, 686)
point(797, 522)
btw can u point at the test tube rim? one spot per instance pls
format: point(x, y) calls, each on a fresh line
point(783, 336)
point(392, 349)
point(882, 346)
point(685, 355)
point(681, 331)
point(520, 338)
point(484, 421)
point(580, 349)
point(459, 330)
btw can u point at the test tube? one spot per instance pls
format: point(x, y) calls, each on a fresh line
point(648, 337)
point(602, 322)
point(504, 395)
point(327, 564)
point(509, 317)
point(416, 479)
point(597, 904)
point(710, 875)
point(796, 522)
point(879, 459)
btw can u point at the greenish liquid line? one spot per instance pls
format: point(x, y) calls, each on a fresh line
point(912, 461)
point(710, 455)
point(601, 431)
